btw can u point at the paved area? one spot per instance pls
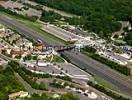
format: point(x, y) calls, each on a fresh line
point(74, 71)
point(48, 69)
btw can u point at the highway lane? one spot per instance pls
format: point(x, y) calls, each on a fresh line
point(89, 64)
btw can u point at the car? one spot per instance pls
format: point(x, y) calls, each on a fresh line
point(67, 87)
point(73, 89)
point(40, 41)
point(79, 91)
point(85, 94)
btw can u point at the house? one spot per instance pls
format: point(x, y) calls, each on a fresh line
point(42, 64)
point(16, 95)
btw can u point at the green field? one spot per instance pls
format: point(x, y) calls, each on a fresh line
point(58, 59)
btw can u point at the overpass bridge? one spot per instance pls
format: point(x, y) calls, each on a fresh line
point(62, 48)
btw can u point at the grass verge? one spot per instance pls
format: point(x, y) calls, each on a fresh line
point(106, 84)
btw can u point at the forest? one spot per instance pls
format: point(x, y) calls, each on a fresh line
point(8, 83)
point(99, 16)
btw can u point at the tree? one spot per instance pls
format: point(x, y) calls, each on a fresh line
point(128, 38)
point(69, 96)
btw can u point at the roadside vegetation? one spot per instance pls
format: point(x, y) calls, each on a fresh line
point(106, 84)
point(57, 85)
point(58, 59)
point(128, 38)
point(55, 59)
point(66, 78)
point(50, 16)
point(44, 96)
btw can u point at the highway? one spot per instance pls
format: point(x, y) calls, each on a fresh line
point(84, 62)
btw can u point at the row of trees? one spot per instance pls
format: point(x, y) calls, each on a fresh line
point(67, 78)
point(100, 16)
point(56, 85)
point(44, 96)
point(128, 38)
point(50, 16)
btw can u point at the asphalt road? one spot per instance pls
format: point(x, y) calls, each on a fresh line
point(90, 65)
